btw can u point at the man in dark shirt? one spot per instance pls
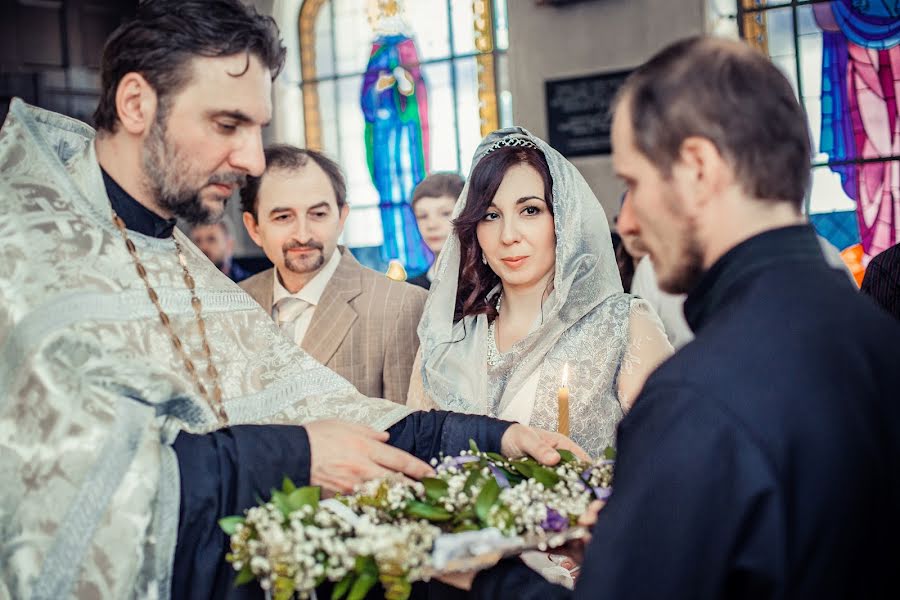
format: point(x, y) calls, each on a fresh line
point(762, 460)
point(882, 280)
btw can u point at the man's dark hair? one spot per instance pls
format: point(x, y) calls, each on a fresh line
point(735, 97)
point(437, 185)
point(284, 157)
point(165, 35)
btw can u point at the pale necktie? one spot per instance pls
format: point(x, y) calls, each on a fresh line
point(289, 310)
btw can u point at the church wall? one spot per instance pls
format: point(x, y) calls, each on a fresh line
point(582, 39)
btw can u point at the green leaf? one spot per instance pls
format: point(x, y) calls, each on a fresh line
point(343, 586)
point(245, 575)
point(280, 500)
point(362, 586)
point(473, 446)
point(544, 476)
point(496, 457)
point(420, 510)
point(523, 468)
point(287, 486)
point(229, 524)
point(566, 455)
point(305, 496)
point(283, 588)
point(609, 453)
point(365, 564)
point(435, 489)
point(367, 576)
point(487, 497)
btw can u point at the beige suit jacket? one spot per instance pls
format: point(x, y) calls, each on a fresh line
point(364, 327)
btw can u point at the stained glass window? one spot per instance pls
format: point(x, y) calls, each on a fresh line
point(843, 59)
point(394, 90)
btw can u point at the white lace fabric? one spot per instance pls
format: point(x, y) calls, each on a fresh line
point(588, 325)
point(648, 346)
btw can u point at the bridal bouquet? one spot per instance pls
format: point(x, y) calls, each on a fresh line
point(396, 531)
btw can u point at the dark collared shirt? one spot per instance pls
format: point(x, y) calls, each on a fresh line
point(767, 250)
point(136, 216)
point(724, 483)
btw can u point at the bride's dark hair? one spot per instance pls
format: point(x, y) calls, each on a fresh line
point(476, 279)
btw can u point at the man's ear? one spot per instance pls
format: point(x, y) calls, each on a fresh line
point(699, 171)
point(136, 104)
point(345, 210)
point(252, 228)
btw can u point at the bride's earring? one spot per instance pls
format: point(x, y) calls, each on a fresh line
point(483, 259)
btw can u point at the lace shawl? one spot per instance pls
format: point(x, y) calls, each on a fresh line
point(587, 322)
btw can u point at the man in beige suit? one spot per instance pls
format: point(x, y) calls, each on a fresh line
point(353, 320)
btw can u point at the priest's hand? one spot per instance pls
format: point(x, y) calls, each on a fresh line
point(344, 455)
point(520, 440)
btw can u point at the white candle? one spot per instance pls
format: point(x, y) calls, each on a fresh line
point(562, 400)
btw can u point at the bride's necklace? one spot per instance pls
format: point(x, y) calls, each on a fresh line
point(214, 399)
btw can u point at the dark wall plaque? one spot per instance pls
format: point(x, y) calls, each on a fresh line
point(578, 118)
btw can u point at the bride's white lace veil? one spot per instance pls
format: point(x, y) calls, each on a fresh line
point(454, 371)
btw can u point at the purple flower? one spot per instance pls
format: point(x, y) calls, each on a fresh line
point(554, 521)
point(502, 481)
point(602, 493)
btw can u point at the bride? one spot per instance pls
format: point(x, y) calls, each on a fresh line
point(527, 283)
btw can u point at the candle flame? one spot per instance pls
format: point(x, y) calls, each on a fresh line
point(565, 375)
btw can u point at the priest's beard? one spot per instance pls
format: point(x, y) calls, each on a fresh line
point(174, 181)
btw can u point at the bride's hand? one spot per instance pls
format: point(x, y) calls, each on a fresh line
point(520, 440)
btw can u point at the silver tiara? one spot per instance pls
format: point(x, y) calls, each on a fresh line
point(511, 142)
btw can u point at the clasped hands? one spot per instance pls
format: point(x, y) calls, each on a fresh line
point(344, 455)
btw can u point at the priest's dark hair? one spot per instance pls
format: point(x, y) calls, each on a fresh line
point(732, 95)
point(165, 35)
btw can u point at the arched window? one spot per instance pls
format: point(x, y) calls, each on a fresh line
point(393, 90)
point(843, 59)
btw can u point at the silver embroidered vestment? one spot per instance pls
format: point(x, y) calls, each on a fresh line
point(92, 393)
